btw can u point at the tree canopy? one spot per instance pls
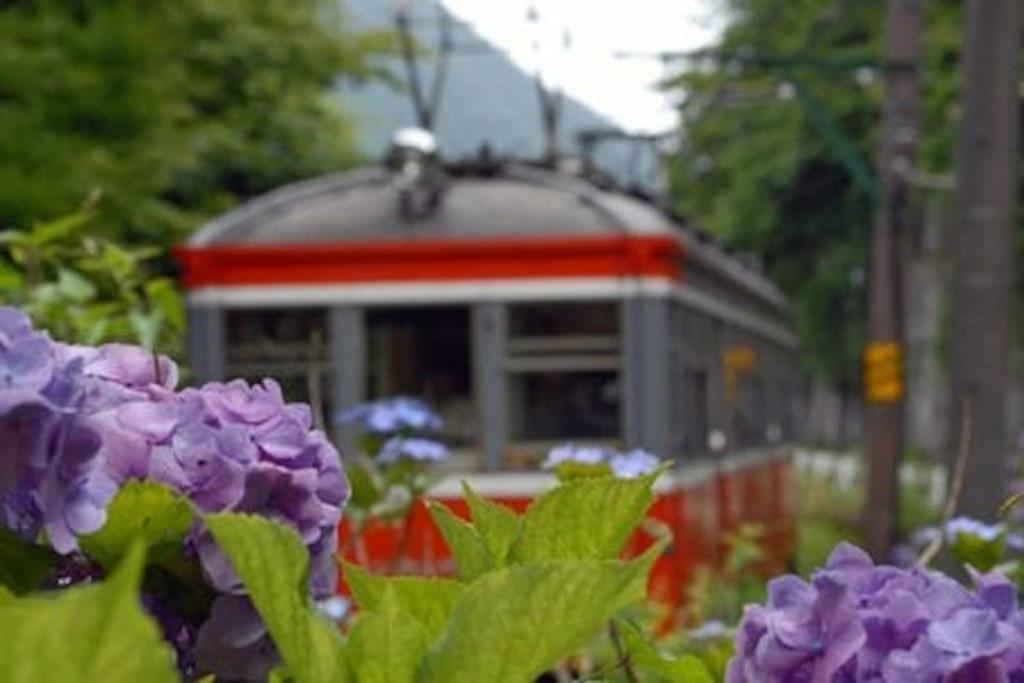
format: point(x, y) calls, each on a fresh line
point(780, 122)
point(172, 110)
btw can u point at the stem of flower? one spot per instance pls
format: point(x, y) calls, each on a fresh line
point(620, 652)
point(955, 488)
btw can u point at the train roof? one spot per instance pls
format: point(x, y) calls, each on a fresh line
point(479, 201)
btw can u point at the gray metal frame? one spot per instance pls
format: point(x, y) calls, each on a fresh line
point(489, 339)
point(346, 338)
point(207, 343)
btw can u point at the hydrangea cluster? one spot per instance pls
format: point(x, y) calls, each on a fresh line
point(627, 465)
point(965, 536)
point(855, 621)
point(401, 414)
point(52, 475)
point(397, 426)
point(77, 422)
point(412, 448)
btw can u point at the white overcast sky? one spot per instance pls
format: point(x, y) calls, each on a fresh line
point(598, 29)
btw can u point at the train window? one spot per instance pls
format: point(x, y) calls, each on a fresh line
point(558, 319)
point(424, 352)
point(288, 344)
point(563, 405)
point(750, 414)
point(563, 362)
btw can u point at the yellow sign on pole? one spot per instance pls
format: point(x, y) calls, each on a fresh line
point(883, 372)
point(739, 360)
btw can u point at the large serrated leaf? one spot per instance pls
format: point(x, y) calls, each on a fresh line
point(386, 646)
point(146, 511)
point(94, 633)
point(23, 565)
point(471, 556)
point(588, 518)
point(512, 624)
point(497, 525)
point(274, 566)
point(429, 600)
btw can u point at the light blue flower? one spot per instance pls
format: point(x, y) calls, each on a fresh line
point(627, 465)
point(709, 630)
point(635, 463)
point(392, 415)
point(335, 608)
point(584, 455)
point(412, 448)
point(973, 527)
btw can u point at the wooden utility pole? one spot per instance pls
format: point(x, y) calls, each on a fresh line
point(984, 247)
point(883, 356)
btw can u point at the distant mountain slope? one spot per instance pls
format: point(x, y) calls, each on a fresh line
point(487, 98)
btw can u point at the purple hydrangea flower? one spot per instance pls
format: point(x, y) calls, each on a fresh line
point(235, 447)
point(855, 621)
point(234, 643)
point(76, 422)
point(393, 415)
point(412, 448)
point(52, 476)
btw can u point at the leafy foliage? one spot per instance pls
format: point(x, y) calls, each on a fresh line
point(427, 600)
point(87, 289)
point(146, 512)
point(509, 620)
point(274, 565)
point(685, 668)
point(386, 645)
point(23, 565)
point(584, 518)
point(515, 622)
point(173, 110)
point(95, 633)
point(776, 120)
point(471, 555)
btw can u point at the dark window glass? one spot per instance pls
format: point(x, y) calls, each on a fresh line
point(425, 352)
point(554, 406)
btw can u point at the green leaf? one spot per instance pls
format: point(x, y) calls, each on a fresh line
point(365, 491)
point(497, 525)
point(74, 286)
point(468, 550)
point(386, 646)
point(274, 566)
point(83, 635)
point(644, 655)
point(5, 595)
point(58, 229)
point(11, 280)
point(164, 296)
point(588, 518)
point(429, 600)
point(147, 326)
point(512, 624)
point(146, 511)
point(982, 554)
point(23, 565)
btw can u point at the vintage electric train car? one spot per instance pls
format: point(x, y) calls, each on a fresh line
point(531, 307)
